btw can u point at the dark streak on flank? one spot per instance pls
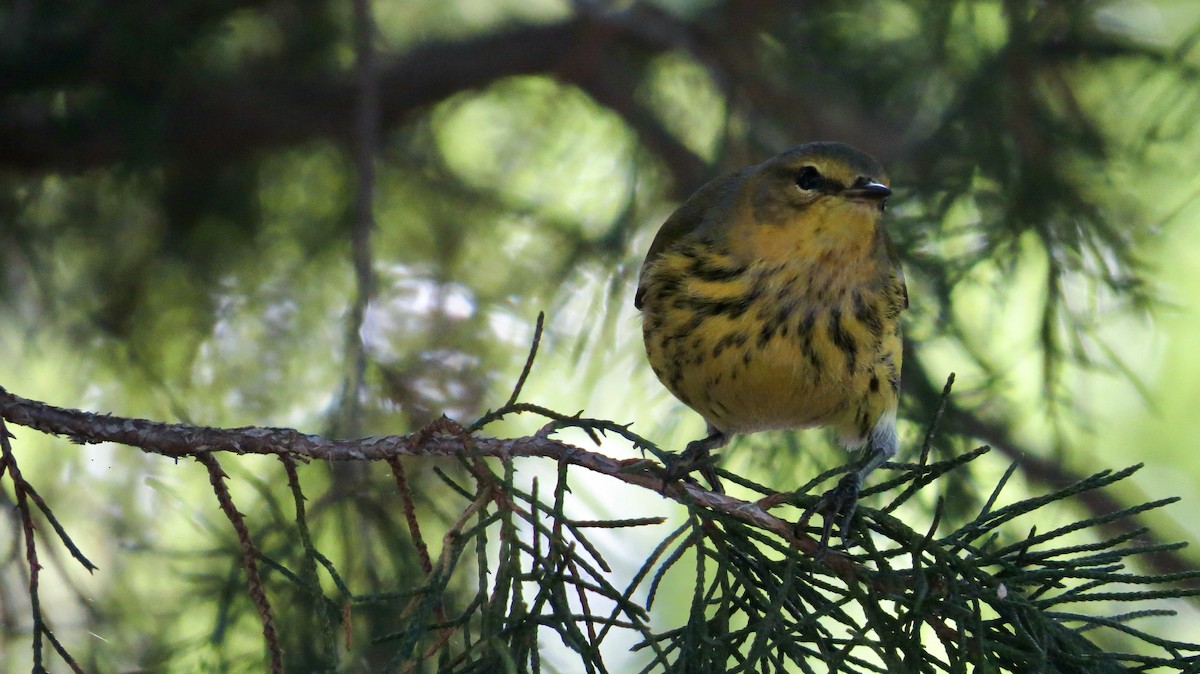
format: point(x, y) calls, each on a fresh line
point(804, 332)
point(865, 315)
point(767, 332)
point(864, 424)
point(732, 339)
point(843, 340)
point(731, 308)
point(700, 268)
point(687, 329)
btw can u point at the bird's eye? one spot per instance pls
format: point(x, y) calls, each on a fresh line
point(809, 178)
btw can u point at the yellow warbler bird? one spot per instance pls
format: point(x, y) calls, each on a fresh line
point(771, 299)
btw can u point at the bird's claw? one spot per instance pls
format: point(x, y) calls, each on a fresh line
point(836, 505)
point(681, 467)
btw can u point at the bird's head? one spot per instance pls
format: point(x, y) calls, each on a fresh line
point(822, 175)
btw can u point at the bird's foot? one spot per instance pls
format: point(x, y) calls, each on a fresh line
point(680, 468)
point(836, 506)
point(697, 456)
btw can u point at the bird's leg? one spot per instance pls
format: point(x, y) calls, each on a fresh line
point(696, 457)
point(839, 504)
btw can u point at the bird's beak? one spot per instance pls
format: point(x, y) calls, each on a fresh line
point(868, 191)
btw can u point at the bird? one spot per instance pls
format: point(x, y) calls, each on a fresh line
point(771, 299)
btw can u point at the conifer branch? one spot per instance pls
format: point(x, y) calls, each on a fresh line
point(765, 592)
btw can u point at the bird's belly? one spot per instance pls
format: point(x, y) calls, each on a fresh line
point(776, 347)
point(782, 384)
point(744, 374)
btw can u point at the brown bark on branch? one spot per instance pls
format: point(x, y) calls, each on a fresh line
point(183, 440)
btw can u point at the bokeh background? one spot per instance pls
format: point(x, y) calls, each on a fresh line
point(187, 190)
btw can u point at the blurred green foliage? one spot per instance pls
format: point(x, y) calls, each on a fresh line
point(177, 199)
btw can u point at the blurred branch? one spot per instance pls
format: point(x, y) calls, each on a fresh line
point(365, 150)
point(222, 119)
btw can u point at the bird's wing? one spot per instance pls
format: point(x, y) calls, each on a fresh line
point(898, 270)
point(711, 203)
